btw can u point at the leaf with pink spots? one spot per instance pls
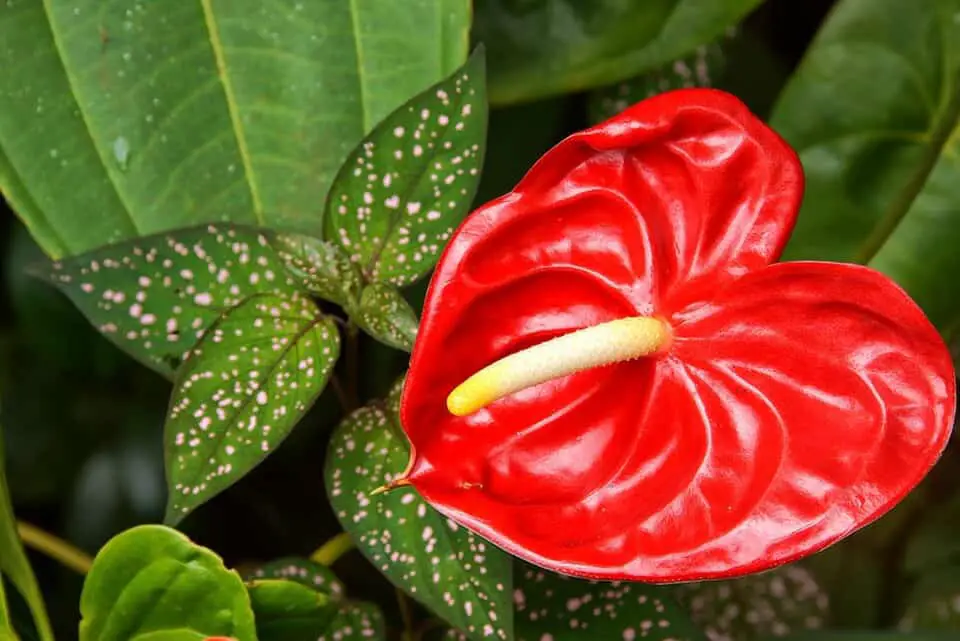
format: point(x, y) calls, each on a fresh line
point(771, 604)
point(455, 573)
point(551, 607)
point(240, 391)
point(402, 191)
point(350, 620)
point(385, 314)
point(320, 267)
point(155, 295)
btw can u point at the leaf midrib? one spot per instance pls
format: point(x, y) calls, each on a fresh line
point(216, 45)
point(945, 121)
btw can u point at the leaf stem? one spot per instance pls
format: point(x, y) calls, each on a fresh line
point(56, 548)
point(406, 616)
point(328, 553)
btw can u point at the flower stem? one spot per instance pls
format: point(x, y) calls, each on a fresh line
point(604, 344)
point(56, 548)
point(328, 553)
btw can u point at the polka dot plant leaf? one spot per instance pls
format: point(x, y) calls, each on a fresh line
point(320, 267)
point(401, 192)
point(455, 573)
point(253, 375)
point(155, 295)
point(385, 314)
point(934, 602)
point(699, 69)
point(551, 607)
point(351, 621)
point(759, 606)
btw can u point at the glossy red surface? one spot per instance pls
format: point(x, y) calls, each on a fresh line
point(798, 401)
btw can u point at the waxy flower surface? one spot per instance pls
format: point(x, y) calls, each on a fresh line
point(615, 379)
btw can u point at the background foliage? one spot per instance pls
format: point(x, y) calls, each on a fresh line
point(116, 123)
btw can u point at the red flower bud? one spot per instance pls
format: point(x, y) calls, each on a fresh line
point(746, 415)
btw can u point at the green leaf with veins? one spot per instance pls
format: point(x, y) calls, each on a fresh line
point(320, 267)
point(457, 574)
point(154, 296)
point(351, 621)
point(159, 115)
point(240, 391)
point(401, 192)
point(583, 45)
point(286, 610)
point(386, 315)
point(770, 604)
point(151, 582)
point(698, 69)
point(882, 173)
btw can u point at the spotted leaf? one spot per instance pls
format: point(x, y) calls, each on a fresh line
point(387, 316)
point(154, 296)
point(350, 620)
point(558, 608)
point(699, 69)
point(458, 575)
point(320, 267)
point(255, 372)
point(313, 575)
point(934, 603)
point(400, 193)
point(771, 604)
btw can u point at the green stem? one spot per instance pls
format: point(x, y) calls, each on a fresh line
point(406, 616)
point(328, 553)
point(56, 548)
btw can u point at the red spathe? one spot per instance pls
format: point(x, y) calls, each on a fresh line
point(798, 401)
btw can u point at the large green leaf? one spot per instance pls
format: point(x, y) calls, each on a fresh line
point(14, 564)
point(117, 120)
point(873, 112)
point(152, 582)
point(455, 573)
point(582, 45)
point(348, 620)
point(254, 374)
point(757, 606)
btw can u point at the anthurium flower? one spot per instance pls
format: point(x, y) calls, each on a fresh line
point(614, 378)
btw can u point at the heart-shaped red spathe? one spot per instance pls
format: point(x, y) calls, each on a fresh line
point(796, 403)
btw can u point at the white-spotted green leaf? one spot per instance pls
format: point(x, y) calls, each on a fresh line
point(698, 69)
point(455, 573)
point(399, 195)
point(551, 606)
point(241, 390)
point(151, 582)
point(775, 603)
point(320, 267)
point(304, 571)
point(385, 314)
point(351, 621)
point(934, 603)
point(154, 296)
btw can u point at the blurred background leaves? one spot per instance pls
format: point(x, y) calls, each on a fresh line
point(83, 421)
